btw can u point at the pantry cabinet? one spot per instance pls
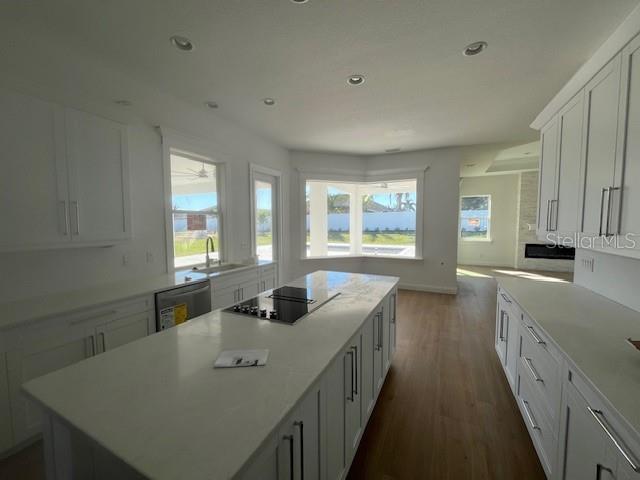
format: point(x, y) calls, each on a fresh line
point(548, 175)
point(68, 172)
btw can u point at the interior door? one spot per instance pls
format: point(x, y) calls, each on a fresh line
point(601, 117)
point(266, 216)
point(33, 186)
point(98, 173)
point(565, 211)
point(548, 176)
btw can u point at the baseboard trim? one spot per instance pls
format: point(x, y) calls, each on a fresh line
point(485, 264)
point(428, 288)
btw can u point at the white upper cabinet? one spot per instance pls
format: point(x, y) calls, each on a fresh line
point(98, 193)
point(626, 197)
point(548, 175)
point(33, 184)
point(601, 120)
point(566, 206)
point(65, 179)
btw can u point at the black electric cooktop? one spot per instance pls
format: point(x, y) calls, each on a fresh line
point(285, 304)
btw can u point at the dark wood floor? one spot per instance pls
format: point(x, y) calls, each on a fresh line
point(445, 411)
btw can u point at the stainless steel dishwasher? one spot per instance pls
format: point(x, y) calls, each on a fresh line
point(180, 304)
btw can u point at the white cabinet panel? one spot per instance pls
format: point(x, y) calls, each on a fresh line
point(565, 210)
point(33, 185)
point(335, 395)
point(6, 430)
point(368, 384)
point(28, 363)
point(223, 297)
point(601, 120)
point(265, 465)
point(123, 331)
point(248, 289)
point(548, 175)
point(98, 172)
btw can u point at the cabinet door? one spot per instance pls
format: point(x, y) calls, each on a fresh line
point(122, 331)
point(33, 186)
point(565, 210)
point(335, 395)
point(248, 289)
point(32, 362)
point(584, 453)
point(223, 297)
point(6, 432)
point(625, 218)
point(548, 176)
point(265, 465)
point(353, 398)
point(601, 119)
point(368, 383)
point(98, 178)
point(513, 349)
point(393, 305)
point(300, 458)
point(267, 282)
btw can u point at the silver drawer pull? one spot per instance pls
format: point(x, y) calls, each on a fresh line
point(534, 374)
point(599, 416)
point(527, 411)
point(535, 336)
point(506, 299)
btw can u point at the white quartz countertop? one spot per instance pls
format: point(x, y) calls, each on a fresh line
point(159, 405)
point(33, 309)
point(592, 331)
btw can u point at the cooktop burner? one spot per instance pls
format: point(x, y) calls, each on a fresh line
point(285, 304)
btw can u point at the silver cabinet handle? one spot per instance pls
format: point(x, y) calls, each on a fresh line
point(76, 207)
point(601, 210)
point(93, 345)
point(355, 356)
point(300, 425)
point(548, 215)
point(506, 299)
point(501, 332)
point(242, 292)
point(599, 469)
point(535, 336)
point(532, 371)
point(379, 346)
point(289, 438)
point(350, 397)
point(609, 196)
point(554, 215)
point(104, 345)
point(395, 298)
point(527, 411)
point(599, 416)
point(65, 220)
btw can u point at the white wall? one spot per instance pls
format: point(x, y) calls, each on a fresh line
point(613, 276)
point(39, 64)
point(500, 250)
point(437, 271)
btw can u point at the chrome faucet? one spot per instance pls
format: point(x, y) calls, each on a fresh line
point(213, 249)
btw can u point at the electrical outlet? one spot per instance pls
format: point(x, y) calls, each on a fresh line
point(125, 259)
point(149, 257)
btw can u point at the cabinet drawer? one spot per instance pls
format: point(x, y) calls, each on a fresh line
point(510, 303)
point(540, 427)
point(543, 370)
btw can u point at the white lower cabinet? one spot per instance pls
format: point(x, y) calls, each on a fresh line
point(6, 430)
point(236, 287)
point(320, 438)
point(575, 434)
point(43, 347)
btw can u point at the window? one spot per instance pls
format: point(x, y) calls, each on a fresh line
point(475, 217)
point(364, 218)
point(194, 209)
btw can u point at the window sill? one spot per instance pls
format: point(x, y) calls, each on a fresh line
point(386, 257)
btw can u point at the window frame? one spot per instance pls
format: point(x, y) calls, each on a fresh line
point(417, 175)
point(201, 151)
point(255, 171)
point(489, 238)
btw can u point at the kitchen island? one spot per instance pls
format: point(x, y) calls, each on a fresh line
point(156, 408)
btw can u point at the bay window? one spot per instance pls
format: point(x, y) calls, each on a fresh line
point(362, 218)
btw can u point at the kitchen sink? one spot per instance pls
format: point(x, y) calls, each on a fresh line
point(219, 268)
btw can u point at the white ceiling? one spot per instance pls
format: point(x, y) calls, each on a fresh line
point(420, 91)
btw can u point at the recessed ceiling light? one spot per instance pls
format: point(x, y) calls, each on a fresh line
point(469, 165)
point(392, 150)
point(299, 1)
point(269, 101)
point(181, 43)
point(355, 80)
point(474, 49)
point(212, 105)
point(123, 103)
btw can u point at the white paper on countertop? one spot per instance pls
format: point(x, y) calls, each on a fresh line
point(241, 358)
